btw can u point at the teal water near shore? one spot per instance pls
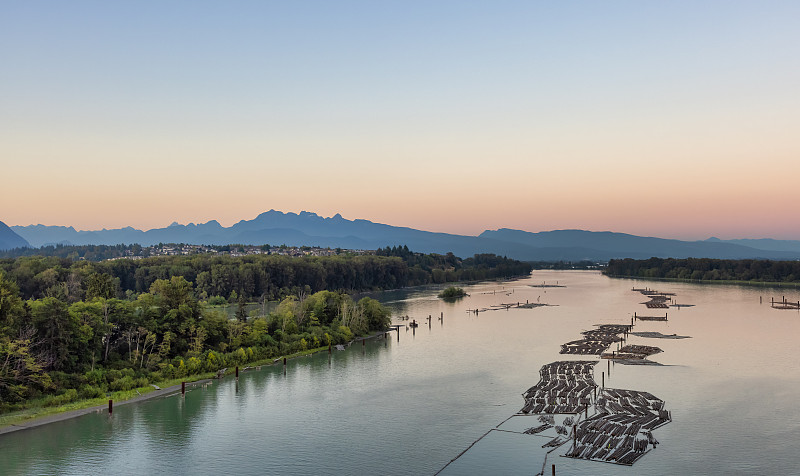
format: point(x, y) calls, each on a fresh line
point(409, 406)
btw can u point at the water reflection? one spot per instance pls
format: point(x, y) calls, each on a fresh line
point(411, 403)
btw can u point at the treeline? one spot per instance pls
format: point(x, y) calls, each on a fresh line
point(74, 252)
point(83, 349)
point(74, 329)
point(436, 268)
point(706, 269)
point(559, 265)
point(254, 277)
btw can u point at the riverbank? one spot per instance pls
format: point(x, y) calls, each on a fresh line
point(38, 416)
point(761, 284)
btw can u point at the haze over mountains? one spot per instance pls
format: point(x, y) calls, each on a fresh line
point(274, 227)
point(9, 239)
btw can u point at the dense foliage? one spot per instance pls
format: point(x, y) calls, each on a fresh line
point(270, 277)
point(436, 268)
point(584, 264)
point(707, 269)
point(452, 292)
point(78, 329)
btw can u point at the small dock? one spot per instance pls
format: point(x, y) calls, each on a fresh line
point(784, 304)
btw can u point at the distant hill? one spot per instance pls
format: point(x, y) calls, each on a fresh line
point(9, 239)
point(764, 244)
point(621, 245)
point(309, 229)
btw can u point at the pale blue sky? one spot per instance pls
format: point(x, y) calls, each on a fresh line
point(447, 116)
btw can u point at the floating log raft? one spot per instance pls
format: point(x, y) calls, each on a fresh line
point(658, 335)
point(537, 429)
point(595, 341)
point(657, 302)
point(651, 318)
point(621, 432)
point(564, 387)
point(507, 306)
point(630, 351)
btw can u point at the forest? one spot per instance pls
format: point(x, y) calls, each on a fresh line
point(705, 269)
point(77, 329)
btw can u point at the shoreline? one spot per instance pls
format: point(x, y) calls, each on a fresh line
point(733, 282)
point(47, 419)
point(37, 421)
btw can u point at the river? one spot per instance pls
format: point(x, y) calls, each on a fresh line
point(411, 403)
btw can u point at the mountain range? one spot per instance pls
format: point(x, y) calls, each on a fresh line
point(309, 229)
point(9, 239)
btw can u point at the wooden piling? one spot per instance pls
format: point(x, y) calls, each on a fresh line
point(237, 371)
point(284, 361)
point(330, 347)
point(110, 406)
point(183, 388)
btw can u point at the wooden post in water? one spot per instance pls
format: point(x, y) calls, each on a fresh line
point(110, 406)
point(284, 361)
point(330, 346)
point(237, 372)
point(183, 388)
point(554, 470)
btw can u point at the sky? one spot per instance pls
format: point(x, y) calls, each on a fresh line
point(675, 119)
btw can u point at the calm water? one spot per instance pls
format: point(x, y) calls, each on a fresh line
point(409, 406)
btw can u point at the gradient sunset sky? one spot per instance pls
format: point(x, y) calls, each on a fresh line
point(677, 119)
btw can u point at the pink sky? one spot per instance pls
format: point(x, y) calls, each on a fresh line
point(664, 119)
